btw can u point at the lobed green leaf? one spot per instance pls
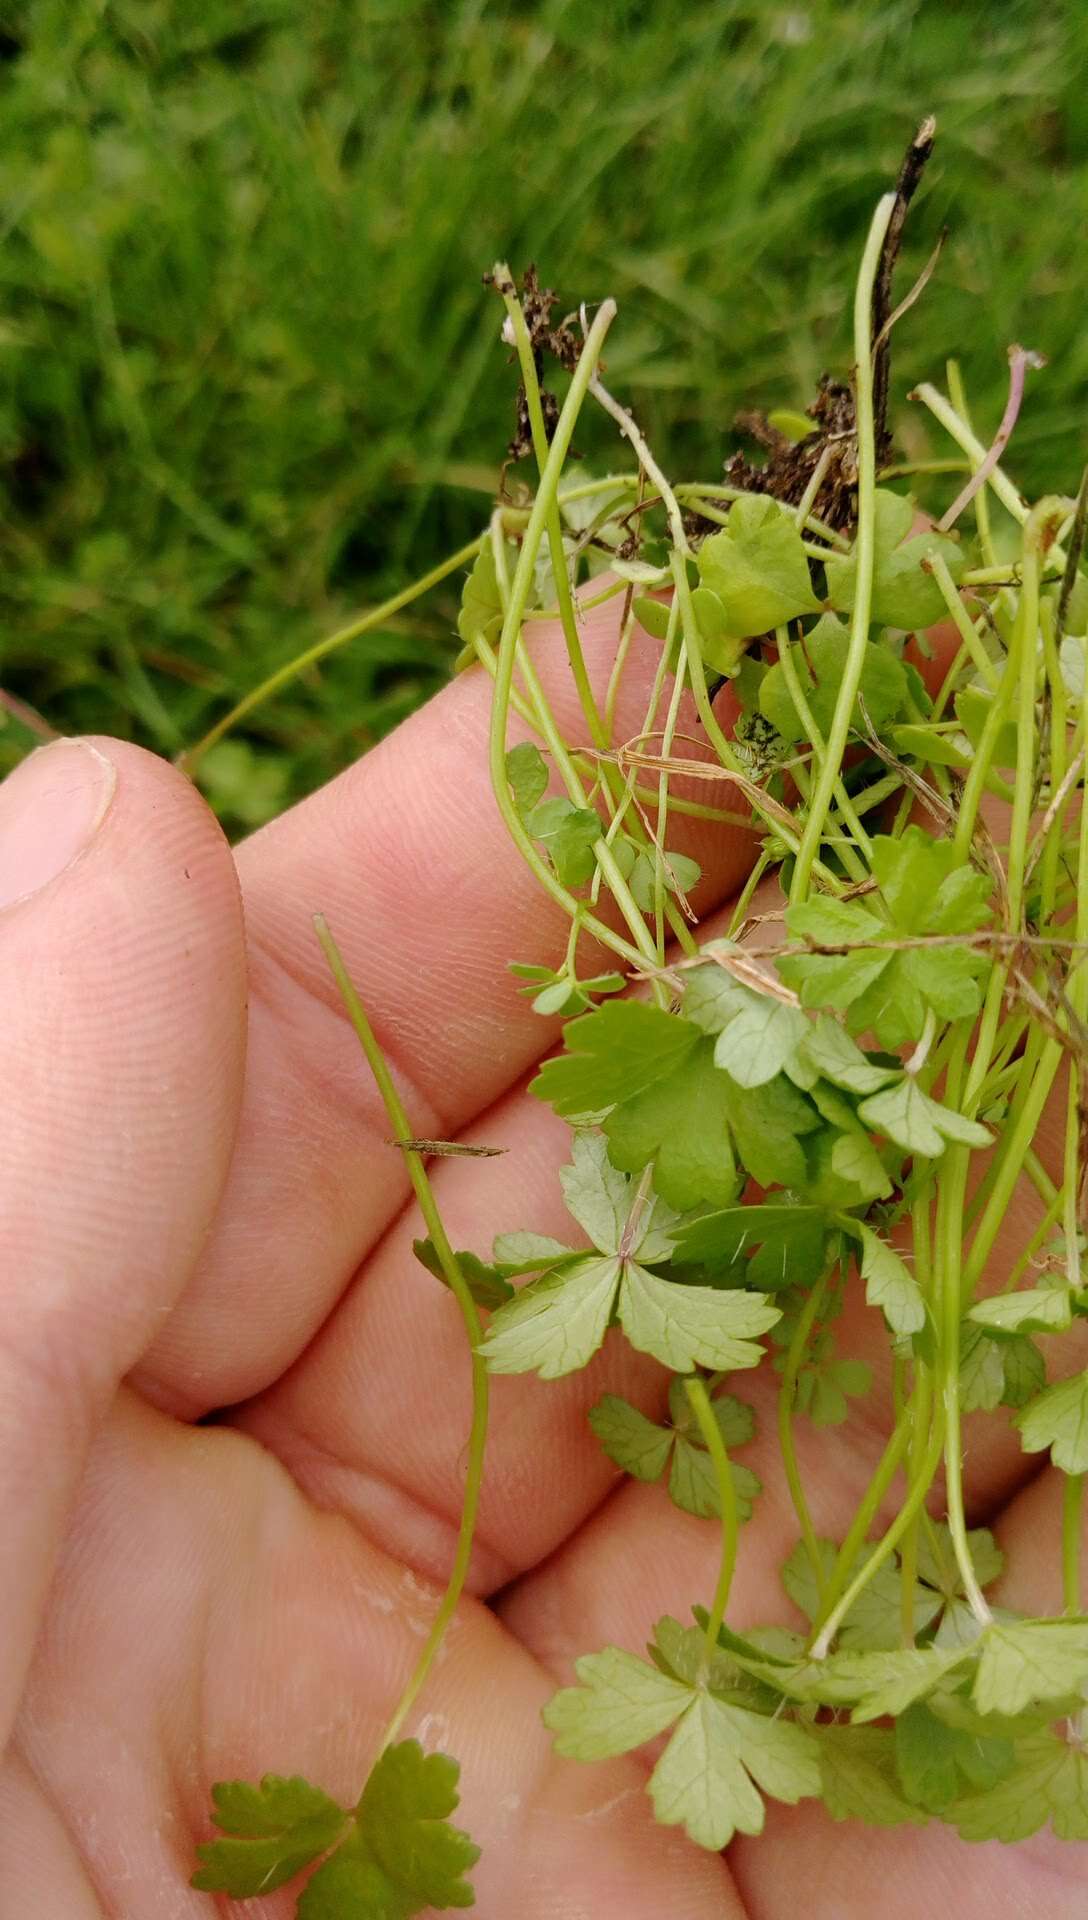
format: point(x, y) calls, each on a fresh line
point(819, 664)
point(555, 1324)
point(904, 594)
point(1058, 1419)
point(685, 1327)
point(612, 1055)
point(757, 567)
point(272, 1831)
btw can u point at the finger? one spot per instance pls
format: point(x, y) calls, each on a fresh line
point(1029, 1530)
point(285, 1640)
point(409, 859)
point(853, 1871)
point(34, 1832)
point(121, 1051)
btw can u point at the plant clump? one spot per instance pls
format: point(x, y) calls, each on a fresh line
point(829, 1096)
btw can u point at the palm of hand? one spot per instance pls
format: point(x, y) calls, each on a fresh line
point(249, 1595)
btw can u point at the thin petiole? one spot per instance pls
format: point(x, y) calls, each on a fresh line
point(374, 617)
point(864, 550)
point(787, 1399)
point(553, 522)
point(699, 1403)
point(417, 1173)
point(1072, 1511)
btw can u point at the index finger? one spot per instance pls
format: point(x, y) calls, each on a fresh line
point(407, 856)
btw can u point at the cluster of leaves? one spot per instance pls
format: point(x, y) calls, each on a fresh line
point(827, 1380)
point(645, 1448)
point(728, 1745)
point(939, 1612)
point(672, 1096)
point(878, 972)
point(568, 834)
point(974, 1742)
point(390, 1857)
point(555, 1324)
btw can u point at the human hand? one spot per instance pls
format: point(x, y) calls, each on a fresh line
point(186, 1225)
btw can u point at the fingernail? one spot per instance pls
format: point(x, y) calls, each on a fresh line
point(51, 807)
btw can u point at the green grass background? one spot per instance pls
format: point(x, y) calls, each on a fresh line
point(249, 378)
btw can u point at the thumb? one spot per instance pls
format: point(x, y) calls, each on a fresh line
point(121, 1050)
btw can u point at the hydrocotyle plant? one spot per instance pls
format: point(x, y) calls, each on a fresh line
point(833, 1094)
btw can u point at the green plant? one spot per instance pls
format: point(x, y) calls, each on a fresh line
point(792, 1109)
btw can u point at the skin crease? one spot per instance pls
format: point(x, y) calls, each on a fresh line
point(200, 1211)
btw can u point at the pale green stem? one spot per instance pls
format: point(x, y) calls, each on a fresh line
point(885, 1546)
point(744, 898)
point(886, 1469)
point(949, 1309)
point(564, 597)
point(815, 482)
point(699, 1402)
point(1018, 678)
point(376, 617)
point(497, 535)
point(621, 801)
point(544, 722)
point(996, 715)
point(698, 496)
point(709, 718)
point(1007, 576)
point(679, 927)
point(695, 809)
point(508, 653)
point(571, 961)
point(981, 502)
point(618, 665)
point(1033, 1042)
point(545, 718)
point(403, 1132)
point(954, 1293)
point(1077, 992)
point(609, 483)
point(855, 867)
point(672, 718)
point(922, 1400)
point(486, 657)
point(692, 492)
point(628, 426)
point(1049, 853)
point(903, 469)
point(960, 432)
point(947, 686)
point(955, 1286)
point(864, 555)
point(1015, 1143)
point(968, 632)
point(883, 789)
point(787, 1397)
point(585, 605)
point(1045, 1226)
point(1024, 669)
point(1072, 1509)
